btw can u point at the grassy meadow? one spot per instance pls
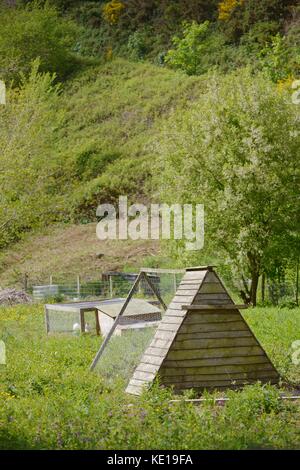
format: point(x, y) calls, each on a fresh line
point(50, 400)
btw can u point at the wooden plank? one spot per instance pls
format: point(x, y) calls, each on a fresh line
point(161, 352)
point(219, 383)
point(145, 376)
point(210, 353)
point(220, 369)
point(212, 288)
point(175, 313)
point(191, 282)
point(98, 329)
point(188, 287)
point(213, 335)
point(183, 299)
point(162, 271)
point(218, 387)
point(143, 367)
point(161, 343)
point(214, 297)
point(138, 382)
point(133, 390)
point(168, 327)
point(217, 361)
point(177, 320)
point(206, 327)
point(213, 317)
point(164, 334)
point(212, 302)
point(82, 321)
point(213, 343)
point(206, 268)
point(214, 307)
point(152, 360)
point(254, 375)
point(174, 306)
point(194, 275)
point(183, 291)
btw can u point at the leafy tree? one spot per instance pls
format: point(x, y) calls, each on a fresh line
point(34, 31)
point(192, 52)
point(32, 176)
point(237, 151)
point(280, 61)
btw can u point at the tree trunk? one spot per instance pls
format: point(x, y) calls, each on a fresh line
point(255, 267)
point(254, 286)
point(297, 283)
point(263, 287)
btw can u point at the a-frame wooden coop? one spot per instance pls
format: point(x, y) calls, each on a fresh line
point(203, 342)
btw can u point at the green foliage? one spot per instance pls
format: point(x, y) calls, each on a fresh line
point(242, 164)
point(109, 129)
point(279, 61)
point(248, 14)
point(190, 53)
point(138, 44)
point(32, 171)
point(50, 400)
point(35, 31)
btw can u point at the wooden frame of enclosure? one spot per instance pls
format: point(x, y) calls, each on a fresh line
point(77, 307)
point(203, 342)
point(142, 275)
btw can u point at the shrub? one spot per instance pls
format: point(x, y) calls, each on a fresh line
point(34, 31)
point(279, 62)
point(31, 169)
point(138, 44)
point(197, 50)
point(112, 11)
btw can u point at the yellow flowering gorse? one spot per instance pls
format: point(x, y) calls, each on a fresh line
point(112, 11)
point(226, 8)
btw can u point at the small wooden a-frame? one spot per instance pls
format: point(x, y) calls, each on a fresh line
point(203, 342)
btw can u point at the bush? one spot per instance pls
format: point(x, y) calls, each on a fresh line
point(237, 17)
point(279, 61)
point(34, 31)
point(138, 44)
point(31, 169)
point(197, 50)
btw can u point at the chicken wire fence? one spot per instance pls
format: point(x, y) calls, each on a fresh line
point(69, 321)
point(80, 311)
point(123, 354)
point(111, 285)
point(120, 354)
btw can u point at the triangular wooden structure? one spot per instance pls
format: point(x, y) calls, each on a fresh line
point(203, 342)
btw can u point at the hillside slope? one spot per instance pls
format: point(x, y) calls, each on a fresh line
point(114, 112)
point(67, 251)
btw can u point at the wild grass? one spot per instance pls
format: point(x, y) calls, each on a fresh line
point(50, 400)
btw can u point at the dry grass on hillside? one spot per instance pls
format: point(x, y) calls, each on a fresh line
point(66, 251)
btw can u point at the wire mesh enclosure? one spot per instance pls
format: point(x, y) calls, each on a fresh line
point(99, 315)
point(120, 354)
point(74, 316)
